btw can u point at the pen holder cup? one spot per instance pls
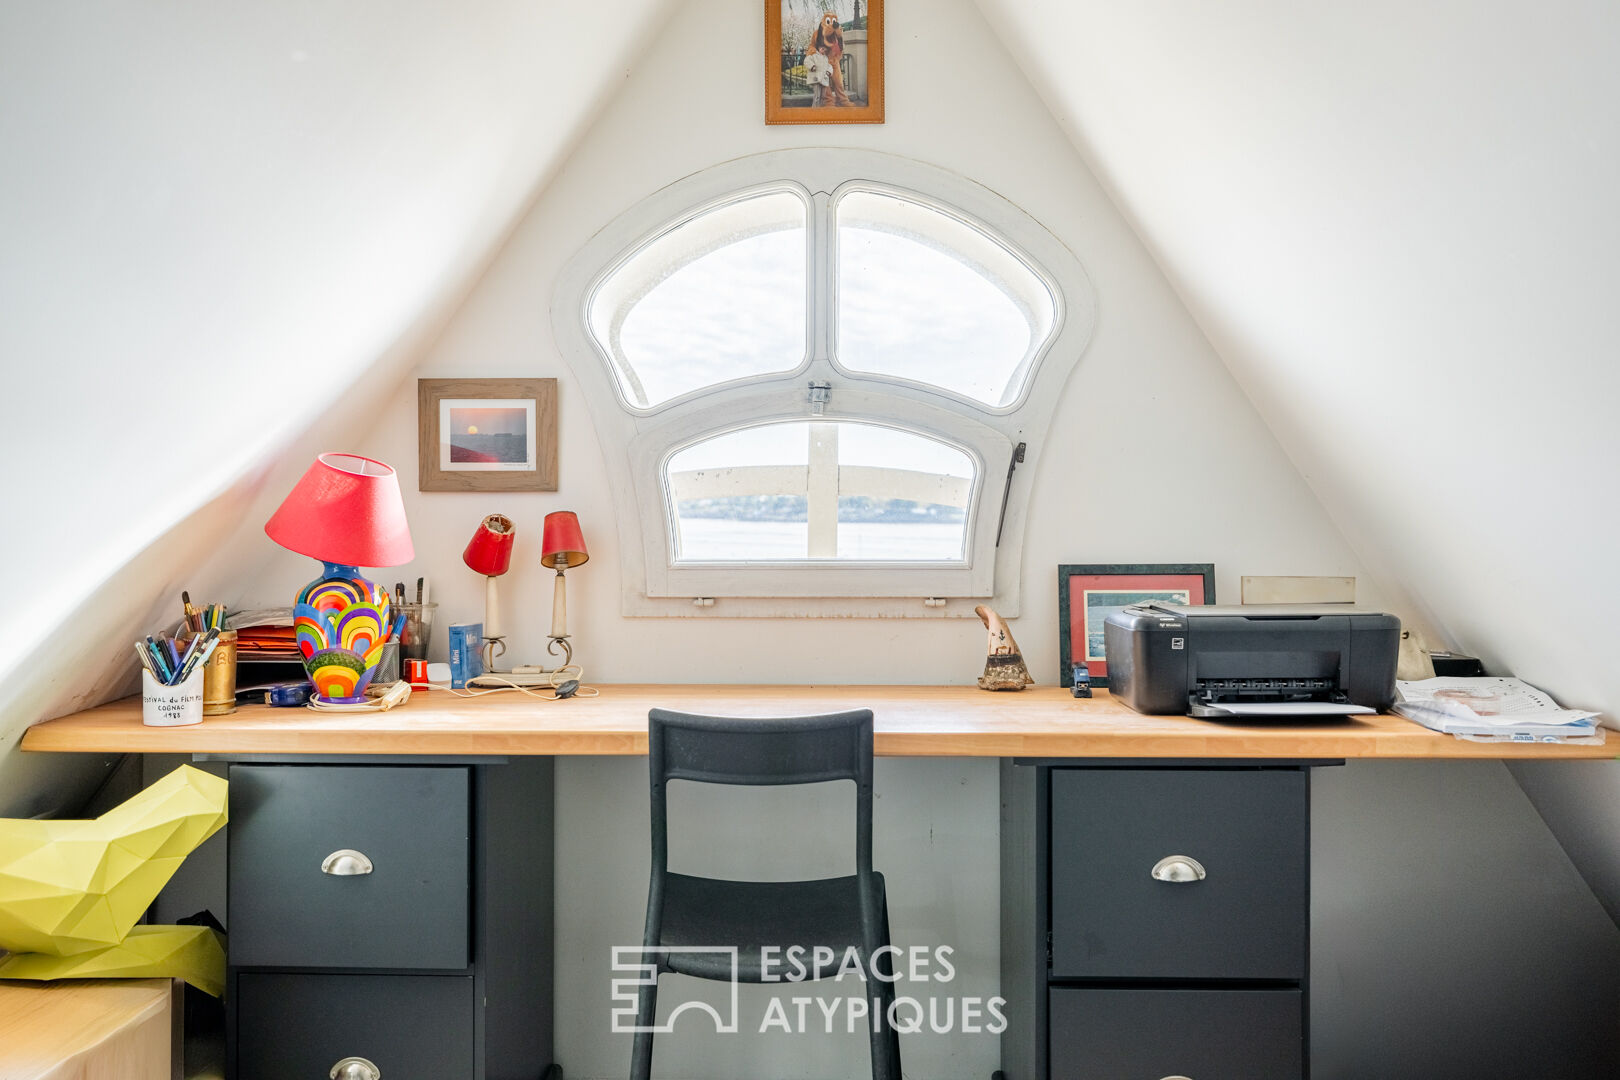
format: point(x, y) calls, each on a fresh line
point(219, 676)
point(171, 706)
point(387, 673)
point(418, 632)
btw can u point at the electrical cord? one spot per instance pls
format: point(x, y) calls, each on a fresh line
point(396, 695)
point(555, 681)
point(400, 692)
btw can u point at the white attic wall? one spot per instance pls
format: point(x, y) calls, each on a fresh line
point(237, 218)
point(1397, 224)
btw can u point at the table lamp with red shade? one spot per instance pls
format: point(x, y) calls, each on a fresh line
point(346, 512)
point(489, 552)
point(562, 547)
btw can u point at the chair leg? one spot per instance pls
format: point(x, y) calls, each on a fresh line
point(646, 1017)
point(885, 1040)
point(891, 1037)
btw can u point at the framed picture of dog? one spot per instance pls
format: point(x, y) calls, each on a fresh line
point(824, 61)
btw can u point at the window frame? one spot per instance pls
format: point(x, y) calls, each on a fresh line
point(806, 196)
point(650, 452)
point(637, 442)
point(671, 506)
point(1033, 358)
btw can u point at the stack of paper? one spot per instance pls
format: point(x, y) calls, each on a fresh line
point(265, 636)
point(1495, 709)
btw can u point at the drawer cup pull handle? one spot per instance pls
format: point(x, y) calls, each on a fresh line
point(355, 1068)
point(1178, 870)
point(347, 863)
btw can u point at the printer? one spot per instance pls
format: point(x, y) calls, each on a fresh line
point(1167, 658)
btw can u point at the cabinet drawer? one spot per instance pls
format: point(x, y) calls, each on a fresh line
point(409, 911)
point(411, 1027)
point(1111, 918)
point(1196, 1034)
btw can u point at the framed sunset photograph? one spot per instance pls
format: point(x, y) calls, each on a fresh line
point(824, 61)
point(487, 434)
point(1088, 594)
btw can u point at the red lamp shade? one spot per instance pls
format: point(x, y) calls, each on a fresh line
point(562, 543)
point(489, 552)
point(347, 509)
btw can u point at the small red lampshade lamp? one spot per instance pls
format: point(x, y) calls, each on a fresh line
point(347, 512)
point(561, 548)
point(489, 552)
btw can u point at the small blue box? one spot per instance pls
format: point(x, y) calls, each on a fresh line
point(466, 653)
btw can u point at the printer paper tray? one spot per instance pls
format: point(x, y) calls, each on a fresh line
point(1219, 711)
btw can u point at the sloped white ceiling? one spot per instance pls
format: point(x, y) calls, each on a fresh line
point(1395, 222)
point(1398, 225)
point(222, 222)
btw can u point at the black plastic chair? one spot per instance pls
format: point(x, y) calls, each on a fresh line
point(841, 913)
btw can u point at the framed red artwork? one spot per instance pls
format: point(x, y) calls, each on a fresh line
point(1088, 593)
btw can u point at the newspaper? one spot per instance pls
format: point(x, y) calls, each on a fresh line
point(1487, 704)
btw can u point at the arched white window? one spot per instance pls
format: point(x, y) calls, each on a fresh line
point(812, 372)
point(791, 490)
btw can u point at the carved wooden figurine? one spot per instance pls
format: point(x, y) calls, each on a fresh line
point(1004, 666)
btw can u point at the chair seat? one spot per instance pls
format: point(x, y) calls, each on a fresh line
point(751, 914)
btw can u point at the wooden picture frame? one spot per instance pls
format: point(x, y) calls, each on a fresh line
point(1086, 592)
point(845, 86)
point(486, 434)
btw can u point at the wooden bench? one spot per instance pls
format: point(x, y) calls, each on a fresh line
point(90, 1029)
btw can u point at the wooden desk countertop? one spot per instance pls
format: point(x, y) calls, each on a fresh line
point(81, 1028)
point(919, 721)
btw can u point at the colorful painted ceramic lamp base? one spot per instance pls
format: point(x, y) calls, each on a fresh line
point(347, 512)
point(341, 621)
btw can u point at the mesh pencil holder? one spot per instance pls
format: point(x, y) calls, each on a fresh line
point(172, 706)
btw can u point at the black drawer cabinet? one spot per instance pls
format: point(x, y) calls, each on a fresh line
point(1111, 918)
point(402, 833)
point(1198, 1034)
point(409, 1027)
point(1155, 920)
point(398, 913)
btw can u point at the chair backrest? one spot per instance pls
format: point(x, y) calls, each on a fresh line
point(758, 751)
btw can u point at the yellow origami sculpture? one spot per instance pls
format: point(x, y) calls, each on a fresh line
point(73, 888)
point(193, 953)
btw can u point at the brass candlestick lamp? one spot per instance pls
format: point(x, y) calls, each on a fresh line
point(562, 548)
point(490, 553)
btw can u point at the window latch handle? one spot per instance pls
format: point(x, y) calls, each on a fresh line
point(1006, 492)
point(820, 394)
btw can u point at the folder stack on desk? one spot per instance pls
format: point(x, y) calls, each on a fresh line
point(266, 636)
